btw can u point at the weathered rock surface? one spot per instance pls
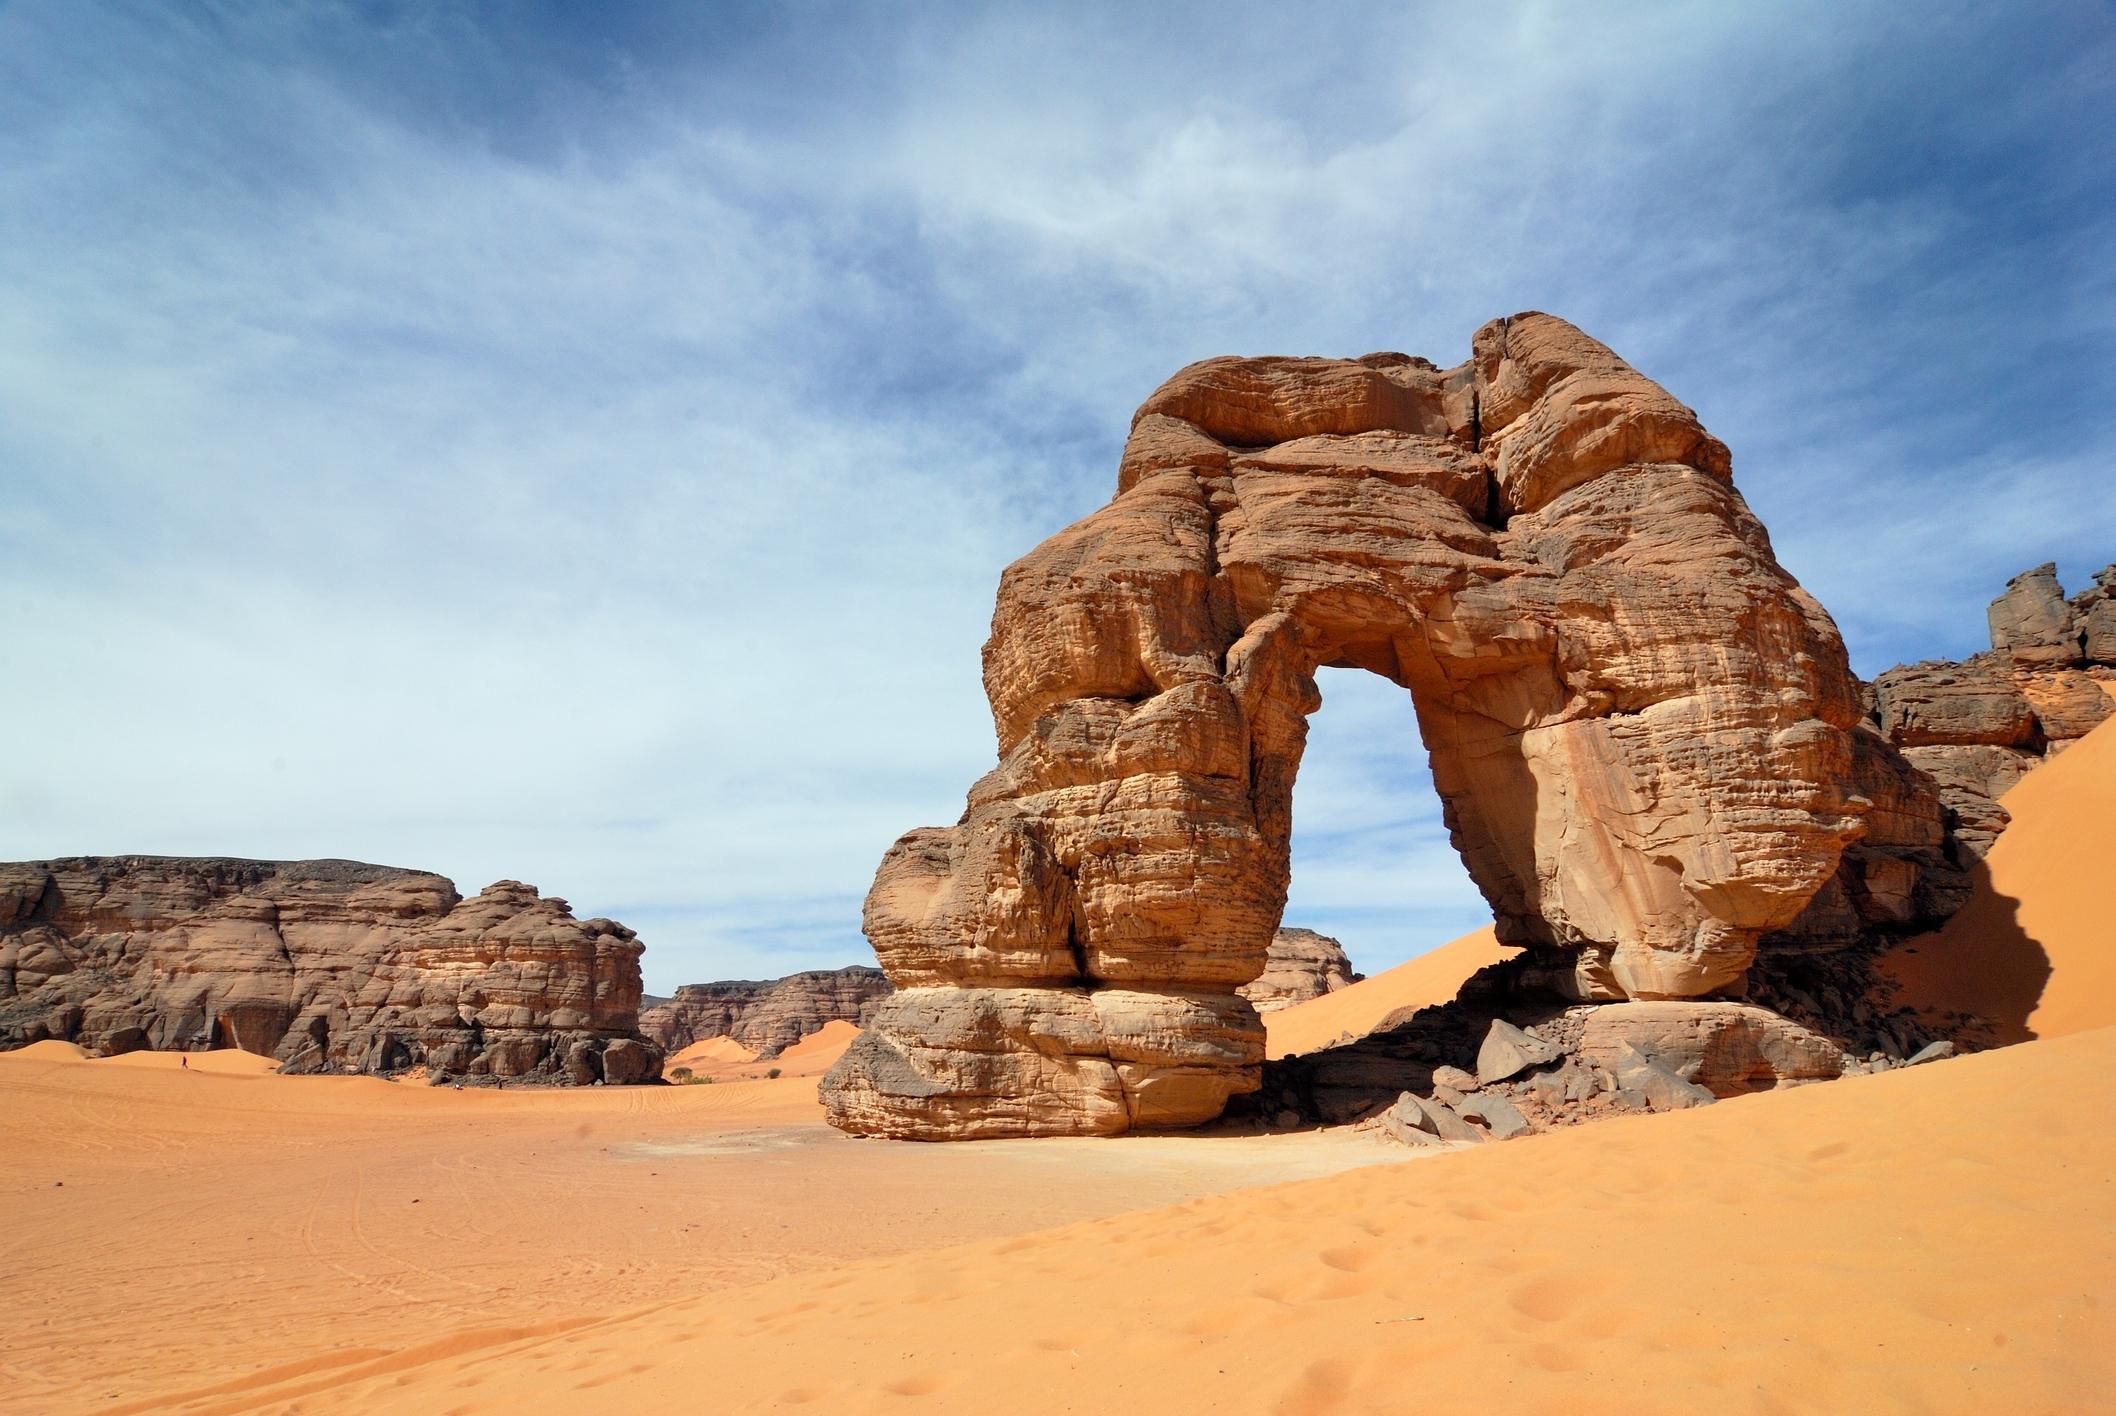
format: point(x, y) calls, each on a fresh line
point(1976, 727)
point(1416, 1120)
point(1656, 1085)
point(1726, 1048)
point(1299, 964)
point(1508, 1051)
point(766, 1016)
point(2031, 622)
point(326, 965)
point(1495, 1114)
point(1642, 730)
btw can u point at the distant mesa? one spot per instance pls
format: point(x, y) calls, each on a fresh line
point(324, 965)
point(1299, 965)
point(765, 1016)
point(1651, 749)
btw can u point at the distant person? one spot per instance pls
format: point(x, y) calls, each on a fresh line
point(183, 1061)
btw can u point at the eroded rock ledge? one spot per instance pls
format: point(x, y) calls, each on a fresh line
point(1645, 735)
point(326, 965)
point(1978, 726)
point(1299, 964)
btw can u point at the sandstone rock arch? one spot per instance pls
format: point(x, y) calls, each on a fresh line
point(1638, 724)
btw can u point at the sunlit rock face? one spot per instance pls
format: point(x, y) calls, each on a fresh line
point(1641, 728)
point(327, 965)
point(1299, 964)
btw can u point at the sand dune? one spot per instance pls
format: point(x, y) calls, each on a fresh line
point(708, 1052)
point(232, 1061)
point(2036, 945)
point(814, 1055)
point(169, 1230)
point(1942, 1238)
point(723, 1059)
point(1428, 979)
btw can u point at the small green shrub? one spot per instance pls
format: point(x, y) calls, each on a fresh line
point(773, 1073)
point(680, 1074)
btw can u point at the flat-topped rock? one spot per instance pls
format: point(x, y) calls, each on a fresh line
point(325, 965)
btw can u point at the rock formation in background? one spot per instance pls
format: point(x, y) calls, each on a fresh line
point(765, 1016)
point(1979, 726)
point(1642, 730)
point(326, 965)
point(1940, 743)
point(1300, 964)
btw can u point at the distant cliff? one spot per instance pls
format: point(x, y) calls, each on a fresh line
point(766, 1015)
point(327, 965)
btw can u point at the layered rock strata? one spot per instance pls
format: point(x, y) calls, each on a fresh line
point(1978, 726)
point(766, 1016)
point(1299, 964)
point(1940, 744)
point(1642, 730)
point(326, 965)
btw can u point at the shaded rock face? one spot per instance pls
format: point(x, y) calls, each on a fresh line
point(1642, 730)
point(326, 965)
point(766, 1016)
point(1299, 964)
point(1961, 734)
point(1571, 1063)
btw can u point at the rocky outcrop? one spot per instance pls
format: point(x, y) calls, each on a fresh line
point(1978, 726)
point(766, 1016)
point(1962, 734)
point(1299, 964)
point(1576, 1064)
point(326, 965)
point(1644, 733)
point(1726, 1048)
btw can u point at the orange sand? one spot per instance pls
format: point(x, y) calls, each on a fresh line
point(1936, 1239)
point(815, 1054)
point(2036, 945)
point(229, 1060)
point(164, 1230)
point(1428, 979)
point(702, 1056)
point(724, 1059)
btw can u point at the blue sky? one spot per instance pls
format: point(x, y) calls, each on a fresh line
point(580, 443)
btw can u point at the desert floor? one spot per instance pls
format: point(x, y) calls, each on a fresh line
point(1938, 1239)
point(1943, 1238)
point(170, 1230)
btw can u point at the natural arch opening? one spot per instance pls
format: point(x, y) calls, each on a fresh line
point(1372, 865)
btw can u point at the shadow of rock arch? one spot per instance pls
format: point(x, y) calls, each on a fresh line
point(1980, 974)
point(1639, 725)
